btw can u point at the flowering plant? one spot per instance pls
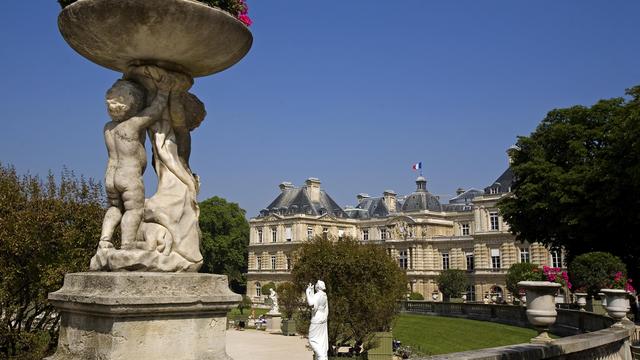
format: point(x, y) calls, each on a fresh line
point(237, 8)
point(620, 281)
point(557, 275)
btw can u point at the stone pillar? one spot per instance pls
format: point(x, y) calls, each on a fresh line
point(135, 315)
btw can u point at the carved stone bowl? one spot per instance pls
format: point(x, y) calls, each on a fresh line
point(182, 35)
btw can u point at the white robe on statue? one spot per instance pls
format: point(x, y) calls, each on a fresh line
point(318, 333)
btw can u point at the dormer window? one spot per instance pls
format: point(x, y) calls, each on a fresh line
point(493, 190)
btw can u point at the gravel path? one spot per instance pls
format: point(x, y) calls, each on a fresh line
point(259, 345)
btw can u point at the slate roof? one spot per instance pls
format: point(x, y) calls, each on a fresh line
point(371, 208)
point(421, 199)
point(502, 184)
point(293, 201)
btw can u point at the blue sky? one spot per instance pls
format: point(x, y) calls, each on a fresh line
point(352, 92)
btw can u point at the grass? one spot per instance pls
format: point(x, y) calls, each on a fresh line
point(247, 312)
point(432, 335)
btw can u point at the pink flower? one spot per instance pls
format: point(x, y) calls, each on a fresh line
point(245, 19)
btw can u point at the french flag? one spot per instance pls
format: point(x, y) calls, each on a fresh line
point(417, 166)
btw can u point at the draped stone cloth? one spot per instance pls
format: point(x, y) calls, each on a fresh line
point(168, 239)
point(318, 332)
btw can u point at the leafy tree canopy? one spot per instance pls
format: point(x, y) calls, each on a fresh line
point(452, 283)
point(289, 299)
point(47, 228)
point(577, 180)
point(225, 239)
point(522, 272)
point(363, 287)
point(593, 271)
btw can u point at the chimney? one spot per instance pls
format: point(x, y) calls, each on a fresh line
point(390, 200)
point(361, 197)
point(460, 191)
point(313, 189)
point(285, 185)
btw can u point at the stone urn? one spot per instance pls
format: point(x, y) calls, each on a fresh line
point(541, 307)
point(581, 300)
point(617, 304)
point(179, 35)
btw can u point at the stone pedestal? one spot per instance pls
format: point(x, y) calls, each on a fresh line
point(135, 315)
point(274, 322)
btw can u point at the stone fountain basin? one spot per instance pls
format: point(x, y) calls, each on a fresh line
point(181, 35)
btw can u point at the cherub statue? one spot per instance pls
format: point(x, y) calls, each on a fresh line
point(125, 137)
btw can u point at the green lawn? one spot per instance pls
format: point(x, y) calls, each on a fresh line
point(236, 311)
point(432, 335)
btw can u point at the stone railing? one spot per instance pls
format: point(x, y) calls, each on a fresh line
point(569, 322)
point(588, 335)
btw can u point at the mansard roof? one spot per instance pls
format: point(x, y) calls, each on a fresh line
point(369, 207)
point(292, 201)
point(502, 184)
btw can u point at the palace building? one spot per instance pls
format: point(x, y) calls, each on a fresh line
point(422, 234)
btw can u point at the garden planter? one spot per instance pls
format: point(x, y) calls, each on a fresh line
point(288, 327)
point(180, 35)
point(541, 308)
point(581, 300)
point(617, 304)
point(383, 349)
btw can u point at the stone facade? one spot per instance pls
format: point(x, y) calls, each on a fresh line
point(421, 234)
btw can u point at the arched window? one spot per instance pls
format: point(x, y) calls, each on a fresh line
point(258, 289)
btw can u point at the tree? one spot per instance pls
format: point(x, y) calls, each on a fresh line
point(245, 303)
point(452, 283)
point(289, 299)
point(266, 288)
point(577, 181)
point(522, 272)
point(225, 239)
point(363, 287)
point(593, 271)
point(47, 229)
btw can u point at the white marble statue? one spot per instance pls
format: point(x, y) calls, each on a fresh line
point(318, 332)
point(160, 233)
point(275, 309)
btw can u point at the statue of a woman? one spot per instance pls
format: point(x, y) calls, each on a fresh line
point(318, 333)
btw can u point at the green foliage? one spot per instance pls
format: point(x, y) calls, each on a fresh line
point(522, 272)
point(289, 299)
point(593, 271)
point(47, 229)
point(578, 181)
point(233, 7)
point(245, 303)
point(225, 240)
point(452, 282)
point(363, 287)
point(416, 296)
point(266, 288)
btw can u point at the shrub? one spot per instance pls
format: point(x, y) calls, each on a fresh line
point(452, 282)
point(593, 271)
point(47, 229)
point(416, 296)
point(363, 287)
point(289, 299)
point(522, 272)
point(266, 288)
point(245, 303)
